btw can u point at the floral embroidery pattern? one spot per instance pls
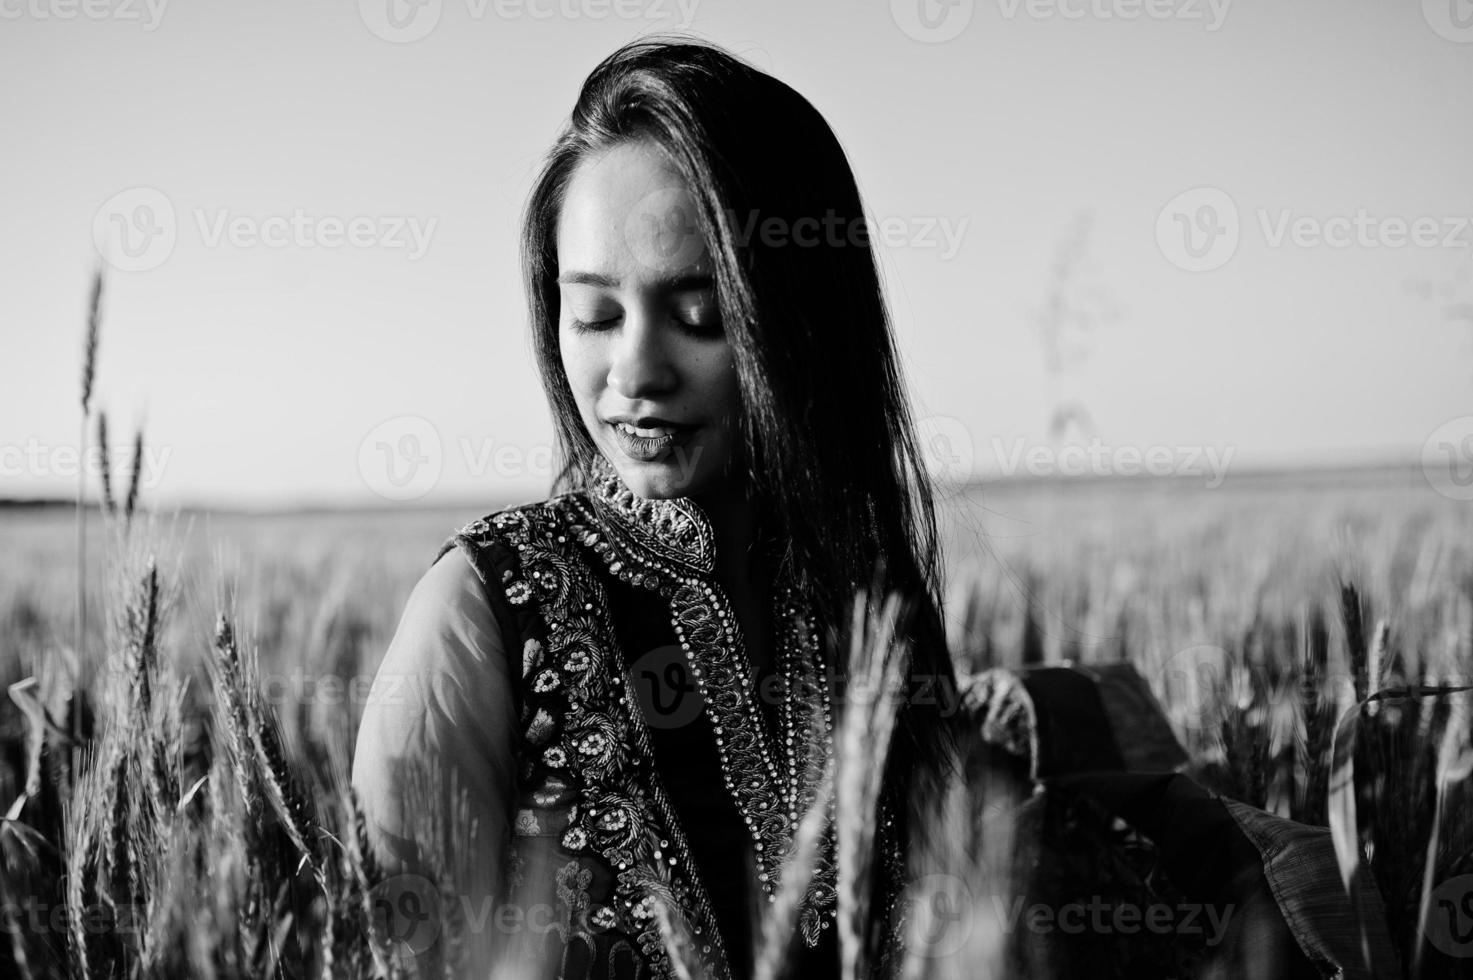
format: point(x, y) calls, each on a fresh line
point(771, 800)
point(579, 712)
point(592, 770)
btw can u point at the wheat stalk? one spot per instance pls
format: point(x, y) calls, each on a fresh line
point(878, 657)
point(675, 934)
point(89, 374)
point(231, 714)
point(781, 918)
point(133, 477)
point(1454, 764)
point(108, 504)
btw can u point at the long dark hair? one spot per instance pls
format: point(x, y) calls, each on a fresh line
point(827, 438)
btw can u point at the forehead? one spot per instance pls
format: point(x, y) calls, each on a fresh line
point(628, 215)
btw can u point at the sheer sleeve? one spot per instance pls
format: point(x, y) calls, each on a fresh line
point(434, 766)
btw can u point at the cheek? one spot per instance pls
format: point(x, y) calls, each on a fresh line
point(583, 362)
point(719, 380)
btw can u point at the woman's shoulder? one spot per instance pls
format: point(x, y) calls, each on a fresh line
point(448, 603)
point(440, 719)
point(517, 520)
point(447, 654)
point(443, 688)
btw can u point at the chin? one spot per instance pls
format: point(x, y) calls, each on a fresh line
point(658, 481)
point(676, 476)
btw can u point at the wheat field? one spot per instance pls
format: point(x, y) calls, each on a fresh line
point(177, 733)
point(188, 812)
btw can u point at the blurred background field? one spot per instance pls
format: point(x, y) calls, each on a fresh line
point(1039, 570)
point(217, 745)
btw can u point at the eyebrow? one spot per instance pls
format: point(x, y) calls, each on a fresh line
point(671, 284)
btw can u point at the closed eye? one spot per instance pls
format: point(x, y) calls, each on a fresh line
point(705, 330)
point(592, 326)
point(708, 328)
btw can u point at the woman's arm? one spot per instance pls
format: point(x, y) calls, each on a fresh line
point(434, 766)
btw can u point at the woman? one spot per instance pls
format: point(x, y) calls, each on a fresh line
point(606, 689)
point(604, 714)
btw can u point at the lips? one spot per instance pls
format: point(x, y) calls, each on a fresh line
point(647, 431)
point(648, 426)
point(648, 439)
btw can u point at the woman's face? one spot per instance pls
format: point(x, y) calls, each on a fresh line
point(639, 328)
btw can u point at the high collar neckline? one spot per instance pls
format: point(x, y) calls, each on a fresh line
point(675, 528)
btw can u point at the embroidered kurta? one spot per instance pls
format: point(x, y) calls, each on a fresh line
point(573, 666)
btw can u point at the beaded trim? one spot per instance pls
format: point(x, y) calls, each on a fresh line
point(675, 531)
point(772, 785)
point(583, 730)
point(587, 744)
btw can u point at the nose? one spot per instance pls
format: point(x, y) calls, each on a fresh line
point(641, 366)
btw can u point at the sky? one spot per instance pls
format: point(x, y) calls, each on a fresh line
point(310, 211)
